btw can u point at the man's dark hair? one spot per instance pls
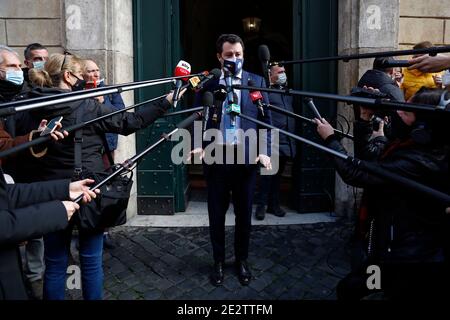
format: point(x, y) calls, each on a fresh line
point(423, 45)
point(231, 38)
point(32, 47)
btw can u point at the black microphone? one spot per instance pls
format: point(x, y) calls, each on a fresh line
point(220, 95)
point(198, 84)
point(264, 58)
point(186, 123)
point(208, 102)
point(389, 62)
point(229, 69)
point(310, 103)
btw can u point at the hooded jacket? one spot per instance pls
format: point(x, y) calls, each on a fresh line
point(379, 80)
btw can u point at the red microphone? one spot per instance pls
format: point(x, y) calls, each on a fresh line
point(183, 69)
point(256, 97)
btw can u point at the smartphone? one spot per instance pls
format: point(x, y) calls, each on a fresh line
point(51, 126)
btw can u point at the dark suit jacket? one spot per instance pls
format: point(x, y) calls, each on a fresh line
point(287, 145)
point(27, 211)
point(247, 108)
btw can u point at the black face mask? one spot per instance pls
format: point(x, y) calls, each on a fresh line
point(9, 90)
point(79, 85)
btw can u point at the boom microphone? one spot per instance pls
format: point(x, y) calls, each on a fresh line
point(208, 102)
point(264, 58)
point(310, 103)
point(198, 84)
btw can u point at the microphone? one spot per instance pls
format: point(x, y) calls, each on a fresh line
point(310, 103)
point(198, 84)
point(389, 62)
point(220, 95)
point(256, 97)
point(229, 69)
point(208, 102)
point(264, 58)
point(183, 69)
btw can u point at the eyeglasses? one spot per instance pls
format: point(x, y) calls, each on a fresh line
point(66, 53)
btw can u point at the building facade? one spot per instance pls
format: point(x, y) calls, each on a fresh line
point(137, 40)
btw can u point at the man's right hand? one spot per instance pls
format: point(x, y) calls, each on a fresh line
point(194, 153)
point(71, 208)
point(430, 64)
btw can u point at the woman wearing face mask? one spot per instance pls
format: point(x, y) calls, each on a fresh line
point(63, 73)
point(409, 231)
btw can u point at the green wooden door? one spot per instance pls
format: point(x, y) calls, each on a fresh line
point(315, 35)
point(161, 185)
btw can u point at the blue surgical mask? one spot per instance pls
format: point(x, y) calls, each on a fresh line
point(14, 76)
point(239, 64)
point(38, 65)
point(282, 79)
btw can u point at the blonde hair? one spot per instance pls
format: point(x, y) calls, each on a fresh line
point(53, 73)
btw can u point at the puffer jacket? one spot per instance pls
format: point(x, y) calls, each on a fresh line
point(409, 227)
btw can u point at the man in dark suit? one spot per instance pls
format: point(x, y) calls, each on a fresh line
point(269, 192)
point(235, 181)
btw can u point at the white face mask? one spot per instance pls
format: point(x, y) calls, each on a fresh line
point(282, 79)
point(14, 76)
point(38, 65)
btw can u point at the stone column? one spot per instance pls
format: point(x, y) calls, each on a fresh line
point(102, 30)
point(364, 26)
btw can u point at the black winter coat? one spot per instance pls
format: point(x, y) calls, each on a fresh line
point(287, 145)
point(26, 212)
point(409, 227)
point(58, 163)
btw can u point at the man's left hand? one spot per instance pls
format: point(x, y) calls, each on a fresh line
point(81, 187)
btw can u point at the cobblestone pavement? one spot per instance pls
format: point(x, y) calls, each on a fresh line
point(288, 263)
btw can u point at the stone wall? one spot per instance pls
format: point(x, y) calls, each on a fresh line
point(364, 26)
point(424, 20)
point(26, 21)
point(101, 30)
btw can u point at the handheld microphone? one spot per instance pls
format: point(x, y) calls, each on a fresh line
point(386, 64)
point(208, 102)
point(264, 58)
point(229, 69)
point(310, 103)
point(183, 69)
point(256, 97)
point(220, 95)
point(198, 84)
